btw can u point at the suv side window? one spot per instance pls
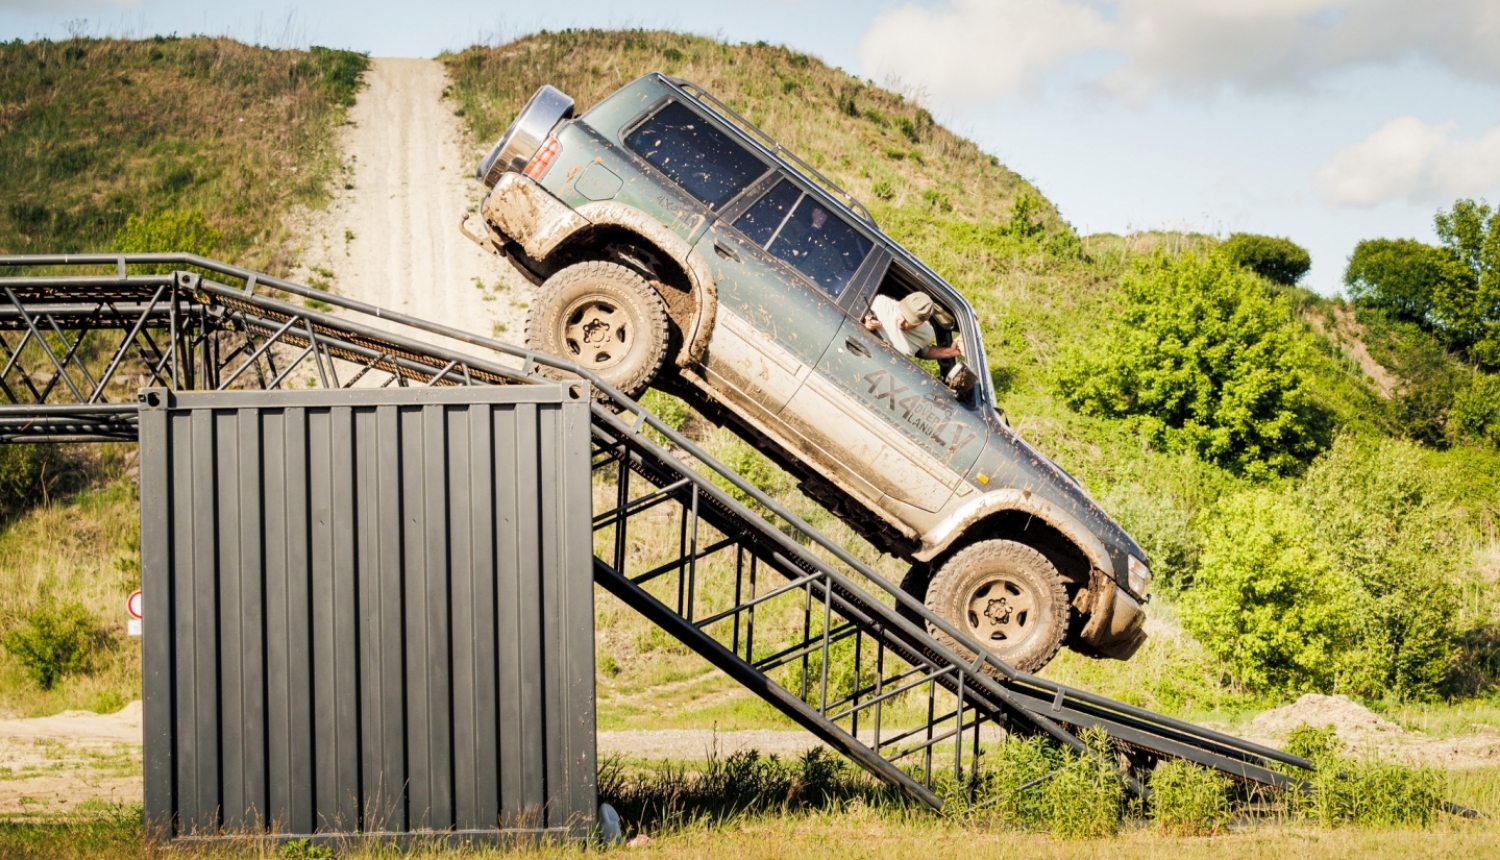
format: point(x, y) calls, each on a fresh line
point(797, 229)
point(694, 154)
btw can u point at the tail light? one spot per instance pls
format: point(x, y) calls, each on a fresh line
point(543, 158)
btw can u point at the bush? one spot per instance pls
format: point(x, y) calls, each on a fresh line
point(55, 640)
point(1188, 800)
point(1280, 260)
point(31, 474)
point(1025, 216)
point(167, 232)
point(1382, 522)
point(1266, 601)
point(1162, 528)
point(1205, 361)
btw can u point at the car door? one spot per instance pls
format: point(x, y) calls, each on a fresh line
point(772, 326)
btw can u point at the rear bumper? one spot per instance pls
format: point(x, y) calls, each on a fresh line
point(524, 212)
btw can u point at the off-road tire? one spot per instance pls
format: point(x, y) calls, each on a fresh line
point(603, 317)
point(915, 583)
point(1026, 610)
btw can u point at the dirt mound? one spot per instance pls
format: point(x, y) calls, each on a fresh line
point(1366, 733)
point(123, 726)
point(1349, 719)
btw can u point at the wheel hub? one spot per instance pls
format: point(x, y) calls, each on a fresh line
point(997, 611)
point(598, 332)
point(1000, 611)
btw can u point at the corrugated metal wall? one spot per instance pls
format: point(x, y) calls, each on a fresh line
point(367, 611)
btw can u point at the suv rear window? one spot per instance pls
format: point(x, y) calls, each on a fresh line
point(694, 154)
point(799, 230)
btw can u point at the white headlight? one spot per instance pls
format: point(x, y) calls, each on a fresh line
point(1140, 577)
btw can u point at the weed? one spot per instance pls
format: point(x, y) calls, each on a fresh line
point(1188, 800)
point(318, 305)
point(883, 190)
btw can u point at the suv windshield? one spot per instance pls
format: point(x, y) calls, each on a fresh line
point(799, 230)
point(694, 154)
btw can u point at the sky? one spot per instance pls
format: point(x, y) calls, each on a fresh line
point(1325, 121)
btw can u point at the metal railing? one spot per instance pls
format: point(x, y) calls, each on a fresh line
point(862, 649)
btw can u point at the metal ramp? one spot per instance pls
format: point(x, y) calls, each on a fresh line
point(679, 537)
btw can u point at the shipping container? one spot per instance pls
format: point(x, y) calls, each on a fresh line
point(368, 612)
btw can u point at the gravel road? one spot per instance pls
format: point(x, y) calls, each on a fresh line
point(392, 239)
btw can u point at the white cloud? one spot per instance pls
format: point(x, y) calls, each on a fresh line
point(65, 5)
point(970, 50)
point(1409, 160)
point(975, 49)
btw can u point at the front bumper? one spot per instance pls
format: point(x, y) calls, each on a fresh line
point(1116, 627)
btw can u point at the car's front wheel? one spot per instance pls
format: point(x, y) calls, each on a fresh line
point(605, 318)
point(1006, 596)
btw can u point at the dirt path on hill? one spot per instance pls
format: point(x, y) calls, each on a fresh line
point(390, 236)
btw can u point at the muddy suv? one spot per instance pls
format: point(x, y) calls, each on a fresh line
point(675, 245)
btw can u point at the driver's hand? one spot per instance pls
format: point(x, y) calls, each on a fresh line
point(958, 344)
point(871, 323)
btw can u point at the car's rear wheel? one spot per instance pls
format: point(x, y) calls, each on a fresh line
point(1007, 597)
point(605, 318)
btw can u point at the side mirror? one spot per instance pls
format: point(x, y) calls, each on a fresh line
point(960, 379)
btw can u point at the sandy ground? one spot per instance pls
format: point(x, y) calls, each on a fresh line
point(392, 239)
point(58, 763)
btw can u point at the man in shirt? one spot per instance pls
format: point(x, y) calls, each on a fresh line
point(905, 325)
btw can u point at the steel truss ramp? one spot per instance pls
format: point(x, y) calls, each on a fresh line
point(682, 539)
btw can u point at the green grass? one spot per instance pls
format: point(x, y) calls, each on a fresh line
point(93, 131)
point(753, 807)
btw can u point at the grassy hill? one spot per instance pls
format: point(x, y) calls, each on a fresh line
point(94, 132)
point(1041, 292)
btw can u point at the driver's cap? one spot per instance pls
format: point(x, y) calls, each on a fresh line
point(918, 308)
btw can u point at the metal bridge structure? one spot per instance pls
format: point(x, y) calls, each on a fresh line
point(679, 537)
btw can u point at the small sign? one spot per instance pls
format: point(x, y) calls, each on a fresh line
point(133, 627)
point(133, 604)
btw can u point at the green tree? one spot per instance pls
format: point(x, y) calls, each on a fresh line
point(1401, 276)
point(1475, 415)
point(1280, 260)
point(1204, 360)
point(1468, 309)
point(1266, 600)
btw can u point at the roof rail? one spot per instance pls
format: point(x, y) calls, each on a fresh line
point(773, 145)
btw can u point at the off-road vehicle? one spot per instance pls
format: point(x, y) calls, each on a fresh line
point(676, 245)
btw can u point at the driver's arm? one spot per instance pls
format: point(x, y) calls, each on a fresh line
point(956, 350)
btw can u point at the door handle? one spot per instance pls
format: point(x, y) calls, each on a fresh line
point(726, 252)
point(856, 346)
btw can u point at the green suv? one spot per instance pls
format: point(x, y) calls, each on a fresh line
point(677, 246)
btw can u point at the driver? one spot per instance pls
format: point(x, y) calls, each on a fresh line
point(905, 325)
